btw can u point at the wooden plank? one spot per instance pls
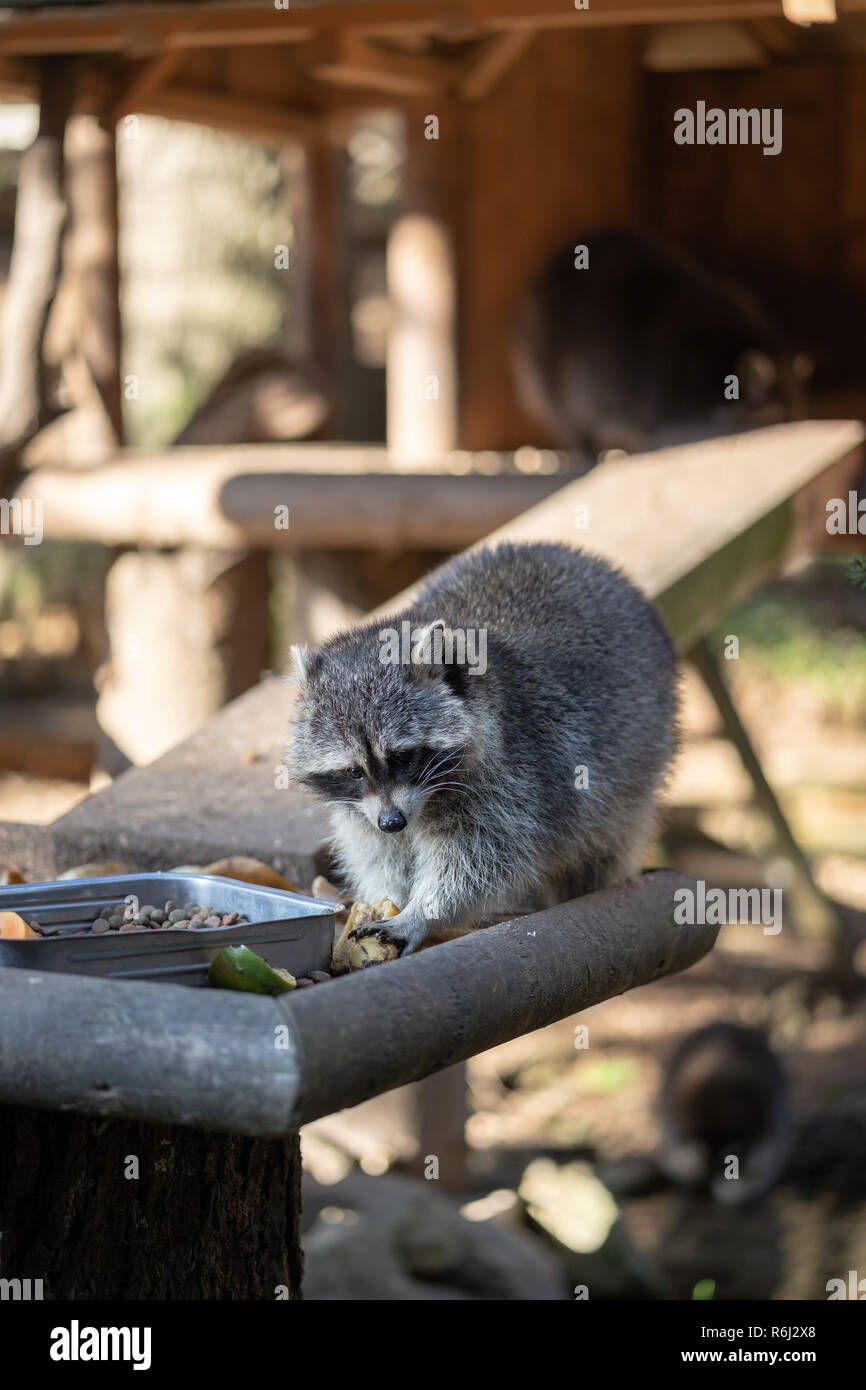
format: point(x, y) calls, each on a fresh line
point(697, 526)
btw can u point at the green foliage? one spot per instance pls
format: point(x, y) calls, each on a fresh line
point(704, 1290)
point(796, 635)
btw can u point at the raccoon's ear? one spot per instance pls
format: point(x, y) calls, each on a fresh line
point(428, 648)
point(433, 656)
point(303, 664)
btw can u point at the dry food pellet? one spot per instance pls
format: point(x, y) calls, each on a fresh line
point(148, 917)
point(319, 977)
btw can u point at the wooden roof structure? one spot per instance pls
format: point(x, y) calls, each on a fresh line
point(259, 68)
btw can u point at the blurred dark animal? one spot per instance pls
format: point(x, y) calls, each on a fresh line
point(636, 350)
point(263, 396)
point(725, 1096)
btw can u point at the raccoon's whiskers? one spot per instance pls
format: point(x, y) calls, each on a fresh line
point(438, 766)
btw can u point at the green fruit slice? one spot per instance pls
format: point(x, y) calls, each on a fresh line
point(237, 967)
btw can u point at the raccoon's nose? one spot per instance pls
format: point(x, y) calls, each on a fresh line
point(391, 821)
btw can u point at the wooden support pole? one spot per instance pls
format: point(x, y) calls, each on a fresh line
point(92, 184)
point(421, 272)
point(34, 271)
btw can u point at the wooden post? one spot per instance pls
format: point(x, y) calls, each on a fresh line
point(118, 1209)
point(421, 270)
point(92, 184)
point(188, 630)
point(34, 271)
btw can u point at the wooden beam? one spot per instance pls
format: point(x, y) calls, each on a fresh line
point(194, 496)
point(126, 27)
point(354, 61)
point(149, 77)
point(223, 111)
point(486, 68)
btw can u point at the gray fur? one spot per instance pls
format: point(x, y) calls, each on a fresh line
point(580, 671)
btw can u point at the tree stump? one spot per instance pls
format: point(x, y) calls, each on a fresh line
point(115, 1209)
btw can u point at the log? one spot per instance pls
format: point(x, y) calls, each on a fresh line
point(213, 1060)
point(198, 497)
point(143, 1211)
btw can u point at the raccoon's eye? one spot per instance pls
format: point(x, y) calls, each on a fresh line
point(355, 774)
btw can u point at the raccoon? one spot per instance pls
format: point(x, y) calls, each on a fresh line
point(456, 784)
point(634, 351)
point(725, 1096)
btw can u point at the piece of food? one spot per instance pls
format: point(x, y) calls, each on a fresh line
point(370, 950)
point(104, 868)
point(14, 928)
point(384, 908)
point(9, 874)
point(148, 918)
point(360, 914)
point(237, 967)
point(321, 888)
point(247, 870)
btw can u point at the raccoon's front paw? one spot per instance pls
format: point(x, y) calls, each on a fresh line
point(403, 931)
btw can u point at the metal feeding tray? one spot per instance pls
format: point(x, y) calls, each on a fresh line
point(287, 929)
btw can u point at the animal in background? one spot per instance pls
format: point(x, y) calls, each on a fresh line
point(725, 1096)
point(633, 352)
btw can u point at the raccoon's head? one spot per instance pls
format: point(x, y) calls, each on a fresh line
point(376, 734)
